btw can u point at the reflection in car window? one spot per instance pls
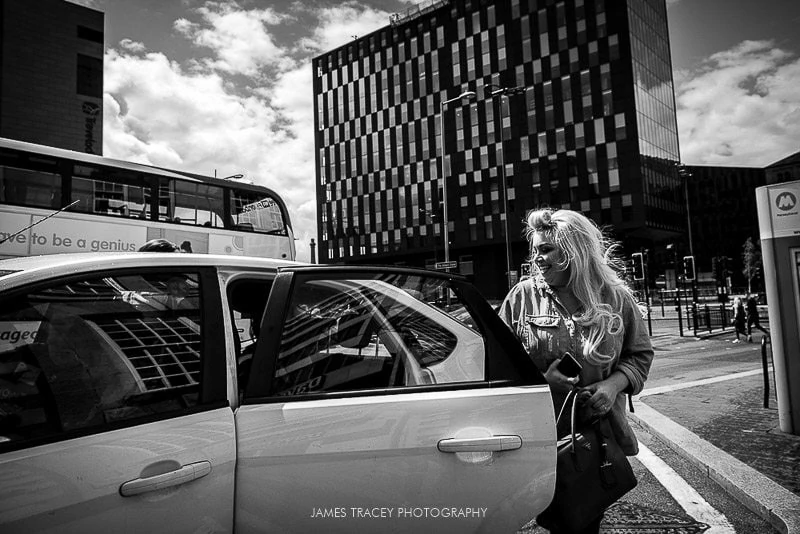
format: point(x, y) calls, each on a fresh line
point(345, 335)
point(91, 352)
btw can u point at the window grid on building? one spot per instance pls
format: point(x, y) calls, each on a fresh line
point(573, 138)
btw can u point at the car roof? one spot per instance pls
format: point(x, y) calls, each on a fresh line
point(16, 271)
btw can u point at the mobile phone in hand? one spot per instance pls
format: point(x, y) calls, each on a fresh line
point(569, 366)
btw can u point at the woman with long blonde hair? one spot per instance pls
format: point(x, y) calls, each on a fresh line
point(577, 303)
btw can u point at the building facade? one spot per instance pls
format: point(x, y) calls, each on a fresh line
point(517, 104)
point(784, 170)
point(51, 88)
point(723, 215)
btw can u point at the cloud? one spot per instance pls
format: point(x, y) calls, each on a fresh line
point(244, 104)
point(132, 46)
point(340, 24)
point(741, 107)
point(239, 39)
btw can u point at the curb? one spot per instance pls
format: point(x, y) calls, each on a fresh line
point(771, 501)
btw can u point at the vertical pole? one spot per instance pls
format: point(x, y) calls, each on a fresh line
point(444, 191)
point(685, 174)
point(680, 321)
point(504, 190)
point(765, 367)
point(647, 295)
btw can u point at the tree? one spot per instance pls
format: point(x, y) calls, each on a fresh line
point(751, 261)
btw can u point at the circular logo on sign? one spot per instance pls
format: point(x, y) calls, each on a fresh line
point(786, 201)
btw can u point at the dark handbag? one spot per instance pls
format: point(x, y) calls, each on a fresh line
point(592, 473)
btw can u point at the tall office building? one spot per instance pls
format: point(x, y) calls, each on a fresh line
point(51, 87)
point(567, 104)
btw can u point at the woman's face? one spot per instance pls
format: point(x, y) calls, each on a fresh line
point(549, 260)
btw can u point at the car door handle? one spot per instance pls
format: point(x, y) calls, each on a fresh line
point(490, 444)
point(183, 475)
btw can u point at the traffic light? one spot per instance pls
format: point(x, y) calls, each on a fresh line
point(638, 265)
point(688, 268)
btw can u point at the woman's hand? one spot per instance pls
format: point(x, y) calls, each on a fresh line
point(600, 396)
point(557, 379)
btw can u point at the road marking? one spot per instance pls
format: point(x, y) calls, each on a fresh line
point(686, 496)
point(703, 382)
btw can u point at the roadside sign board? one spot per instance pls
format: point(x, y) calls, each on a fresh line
point(446, 265)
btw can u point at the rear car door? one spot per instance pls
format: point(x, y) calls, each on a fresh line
point(389, 400)
point(113, 410)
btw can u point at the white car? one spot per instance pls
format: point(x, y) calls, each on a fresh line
point(185, 393)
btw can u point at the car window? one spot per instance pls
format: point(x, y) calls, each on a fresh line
point(98, 351)
point(391, 332)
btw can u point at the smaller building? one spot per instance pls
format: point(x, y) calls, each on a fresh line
point(785, 170)
point(722, 207)
point(51, 82)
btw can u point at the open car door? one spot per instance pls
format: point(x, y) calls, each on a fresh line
point(390, 400)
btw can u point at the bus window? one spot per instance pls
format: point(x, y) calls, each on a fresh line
point(106, 194)
point(256, 212)
point(26, 187)
point(198, 204)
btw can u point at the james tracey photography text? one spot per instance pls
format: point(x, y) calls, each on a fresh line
point(401, 512)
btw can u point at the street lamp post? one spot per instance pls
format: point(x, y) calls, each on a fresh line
point(462, 96)
point(501, 92)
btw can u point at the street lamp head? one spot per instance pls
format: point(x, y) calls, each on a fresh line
point(465, 95)
point(502, 91)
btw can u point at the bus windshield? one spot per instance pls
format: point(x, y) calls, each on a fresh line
point(121, 205)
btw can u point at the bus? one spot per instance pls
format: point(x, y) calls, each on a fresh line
point(54, 200)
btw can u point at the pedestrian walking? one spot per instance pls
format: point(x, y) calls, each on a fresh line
point(752, 318)
point(576, 302)
point(739, 318)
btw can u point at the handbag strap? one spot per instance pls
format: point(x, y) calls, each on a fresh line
point(566, 400)
point(572, 422)
point(573, 396)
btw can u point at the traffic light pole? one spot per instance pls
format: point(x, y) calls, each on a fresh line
point(678, 293)
point(647, 299)
point(690, 274)
point(640, 273)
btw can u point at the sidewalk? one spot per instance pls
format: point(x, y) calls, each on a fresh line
point(722, 427)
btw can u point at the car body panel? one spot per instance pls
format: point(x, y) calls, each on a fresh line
point(305, 457)
point(74, 485)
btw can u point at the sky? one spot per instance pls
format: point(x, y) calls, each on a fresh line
point(223, 87)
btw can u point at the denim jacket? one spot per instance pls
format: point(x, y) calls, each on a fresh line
point(547, 331)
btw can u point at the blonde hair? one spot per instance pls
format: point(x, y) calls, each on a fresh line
point(594, 276)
